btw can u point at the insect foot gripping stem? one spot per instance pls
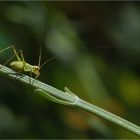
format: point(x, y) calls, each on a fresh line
point(68, 98)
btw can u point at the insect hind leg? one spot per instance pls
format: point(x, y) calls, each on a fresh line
point(18, 74)
point(7, 48)
point(9, 59)
point(16, 53)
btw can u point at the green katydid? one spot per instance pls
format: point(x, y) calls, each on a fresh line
point(20, 65)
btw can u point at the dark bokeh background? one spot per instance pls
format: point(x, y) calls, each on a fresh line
point(108, 76)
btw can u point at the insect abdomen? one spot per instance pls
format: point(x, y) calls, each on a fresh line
point(17, 65)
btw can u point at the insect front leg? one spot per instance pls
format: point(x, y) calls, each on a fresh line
point(35, 78)
point(30, 77)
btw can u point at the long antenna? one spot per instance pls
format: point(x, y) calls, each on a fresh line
point(41, 46)
point(40, 53)
point(72, 52)
point(52, 58)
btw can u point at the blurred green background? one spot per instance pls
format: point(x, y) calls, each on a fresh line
point(107, 76)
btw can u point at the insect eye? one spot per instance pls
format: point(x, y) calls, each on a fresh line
point(37, 68)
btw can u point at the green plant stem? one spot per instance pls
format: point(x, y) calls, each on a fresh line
point(68, 98)
point(109, 116)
